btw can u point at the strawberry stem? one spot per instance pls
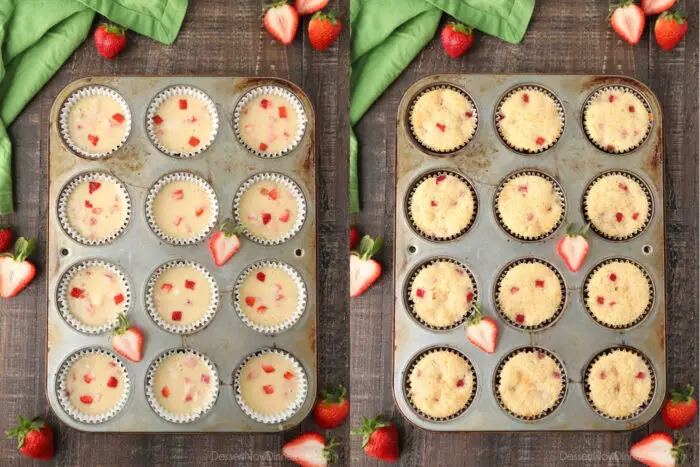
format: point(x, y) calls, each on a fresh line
point(229, 228)
point(476, 316)
point(334, 395)
point(369, 426)
point(676, 15)
point(677, 450)
point(331, 16)
point(460, 27)
point(329, 451)
point(24, 426)
point(23, 248)
point(682, 394)
point(114, 29)
point(123, 325)
point(368, 247)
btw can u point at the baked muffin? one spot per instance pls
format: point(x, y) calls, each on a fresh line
point(441, 384)
point(442, 294)
point(616, 120)
point(618, 293)
point(529, 206)
point(617, 206)
point(443, 120)
point(530, 384)
point(442, 206)
point(619, 383)
point(529, 294)
point(529, 120)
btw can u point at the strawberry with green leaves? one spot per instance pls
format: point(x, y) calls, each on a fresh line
point(380, 438)
point(110, 39)
point(127, 340)
point(573, 247)
point(311, 450)
point(670, 29)
point(15, 271)
point(225, 243)
point(658, 450)
point(680, 408)
point(333, 408)
point(324, 28)
point(481, 331)
point(457, 39)
point(34, 438)
point(364, 271)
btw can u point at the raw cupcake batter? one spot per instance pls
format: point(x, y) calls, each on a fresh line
point(182, 295)
point(183, 124)
point(616, 120)
point(269, 384)
point(97, 124)
point(96, 296)
point(268, 209)
point(95, 384)
point(96, 209)
point(182, 209)
point(183, 383)
point(268, 123)
point(268, 296)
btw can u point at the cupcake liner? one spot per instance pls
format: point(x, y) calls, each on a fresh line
point(294, 190)
point(497, 379)
point(407, 383)
point(301, 301)
point(412, 191)
point(544, 324)
point(287, 95)
point(191, 328)
point(62, 293)
point(557, 188)
point(409, 285)
point(279, 417)
point(161, 411)
point(181, 91)
point(64, 196)
point(645, 189)
point(77, 96)
point(619, 88)
point(176, 177)
point(640, 318)
point(652, 374)
point(64, 399)
point(411, 130)
point(533, 88)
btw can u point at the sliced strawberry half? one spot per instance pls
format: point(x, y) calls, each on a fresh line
point(482, 332)
point(282, 20)
point(627, 20)
point(15, 271)
point(573, 247)
point(654, 7)
point(658, 450)
point(226, 242)
point(311, 450)
point(308, 7)
point(364, 271)
point(127, 340)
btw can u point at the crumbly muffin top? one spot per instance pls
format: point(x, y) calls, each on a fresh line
point(443, 119)
point(529, 120)
point(529, 206)
point(619, 383)
point(530, 294)
point(442, 206)
point(530, 383)
point(617, 206)
point(442, 294)
point(618, 293)
point(616, 120)
point(442, 383)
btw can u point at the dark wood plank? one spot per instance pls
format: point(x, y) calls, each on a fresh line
point(565, 36)
point(218, 37)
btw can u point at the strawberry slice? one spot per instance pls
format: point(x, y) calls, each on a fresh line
point(308, 7)
point(311, 449)
point(658, 450)
point(482, 332)
point(15, 271)
point(268, 368)
point(225, 243)
point(282, 21)
point(573, 248)
point(157, 119)
point(127, 340)
point(93, 186)
point(119, 118)
point(182, 104)
point(364, 270)
point(627, 20)
point(193, 141)
point(112, 382)
point(654, 7)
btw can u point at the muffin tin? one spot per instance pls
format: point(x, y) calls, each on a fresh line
point(574, 336)
point(138, 252)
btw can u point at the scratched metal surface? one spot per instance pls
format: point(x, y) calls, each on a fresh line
point(575, 338)
point(225, 165)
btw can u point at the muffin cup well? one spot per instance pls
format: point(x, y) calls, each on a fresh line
point(293, 188)
point(301, 300)
point(62, 294)
point(287, 95)
point(497, 379)
point(77, 96)
point(181, 91)
point(62, 211)
point(292, 409)
point(161, 411)
point(162, 183)
point(64, 399)
point(407, 383)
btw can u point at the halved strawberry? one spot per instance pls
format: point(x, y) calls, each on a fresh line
point(658, 450)
point(311, 450)
point(654, 7)
point(127, 340)
point(482, 332)
point(308, 7)
point(225, 243)
point(627, 20)
point(281, 20)
point(364, 270)
point(573, 248)
point(15, 271)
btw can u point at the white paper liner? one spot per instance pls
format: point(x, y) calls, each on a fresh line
point(301, 300)
point(62, 295)
point(191, 328)
point(276, 91)
point(293, 188)
point(64, 196)
point(176, 177)
point(292, 409)
point(188, 91)
point(61, 387)
point(77, 96)
point(162, 411)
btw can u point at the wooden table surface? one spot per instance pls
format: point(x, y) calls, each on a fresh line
point(565, 36)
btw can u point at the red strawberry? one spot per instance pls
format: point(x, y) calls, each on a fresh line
point(182, 104)
point(190, 284)
point(281, 20)
point(250, 301)
point(176, 316)
point(333, 408)
point(482, 332)
point(380, 439)
point(193, 141)
point(34, 438)
point(269, 389)
point(5, 238)
point(93, 186)
point(119, 298)
point(260, 276)
point(110, 39)
point(268, 368)
point(157, 119)
point(284, 216)
point(166, 287)
point(87, 400)
point(311, 450)
point(657, 450)
point(670, 28)
point(627, 20)
point(127, 340)
point(573, 248)
point(15, 271)
point(307, 7)
point(354, 237)
point(364, 270)
point(119, 118)
point(225, 243)
point(165, 392)
point(324, 28)
point(654, 7)
point(112, 382)
point(680, 408)
point(456, 39)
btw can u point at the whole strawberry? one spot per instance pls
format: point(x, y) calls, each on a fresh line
point(333, 408)
point(34, 438)
point(5, 238)
point(380, 438)
point(670, 28)
point(110, 39)
point(324, 28)
point(456, 39)
point(680, 408)
point(354, 238)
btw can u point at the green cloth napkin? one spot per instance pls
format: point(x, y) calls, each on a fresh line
point(38, 36)
point(388, 34)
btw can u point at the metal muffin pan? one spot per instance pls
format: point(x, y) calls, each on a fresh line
point(226, 164)
point(575, 337)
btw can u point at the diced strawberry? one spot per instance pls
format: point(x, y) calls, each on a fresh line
point(622, 187)
point(460, 383)
point(611, 98)
point(177, 195)
point(520, 318)
point(514, 290)
point(274, 194)
point(268, 368)
point(619, 216)
point(539, 283)
point(603, 375)
point(440, 178)
point(119, 118)
point(539, 141)
point(177, 221)
point(260, 276)
point(112, 382)
point(526, 98)
point(522, 188)
point(190, 284)
point(284, 217)
point(283, 112)
point(176, 316)
point(166, 287)
point(119, 298)
point(420, 293)
point(468, 114)
point(433, 204)
point(529, 216)
point(182, 104)
point(601, 300)
point(199, 211)
point(157, 119)
point(288, 375)
point(261, 309)
point(556, 374)
point(88, 378)
point(250, 301)
point(613, 277)
point(93, 139)
point(262, 147)
point(470, 297)
point(268, 389)
point(188, 397)
point(641, 375)
point(631, 108)
point(265, 103)
point(92, 221)
point(97, 211)
point(540, 355)
point(87, 400)
point(88, 204)
point(165, 392)
point(441, 127)
point(610, 147)
point(193, 141)
point(613, 303)
point(635, 216)
point(93, 186)
point(266, 218)
point(75, 292)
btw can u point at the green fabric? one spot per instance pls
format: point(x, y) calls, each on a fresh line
point(38, 36)
point(388, 34)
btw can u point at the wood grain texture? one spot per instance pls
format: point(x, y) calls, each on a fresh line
point(565, 36)
point(218, 37)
